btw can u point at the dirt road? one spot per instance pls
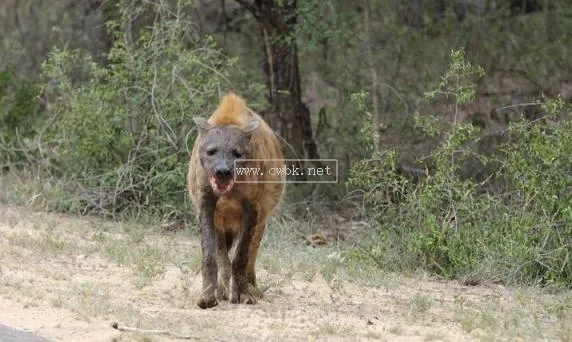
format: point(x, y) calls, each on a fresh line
point(68, 279)
point(8, 334)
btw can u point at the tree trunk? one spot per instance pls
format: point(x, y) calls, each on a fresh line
point(287, 114)
point(108, 11)
point(373, 73)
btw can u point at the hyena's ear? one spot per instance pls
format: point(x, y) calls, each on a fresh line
point(251, 126)
point(202, 124)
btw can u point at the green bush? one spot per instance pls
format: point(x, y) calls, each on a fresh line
point(455, 227)
point(19, 116)
point(120, 141)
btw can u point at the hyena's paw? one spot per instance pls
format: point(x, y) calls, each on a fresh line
point(222, 291)
point(242, 298)
point(207, 301)
point(240, 294)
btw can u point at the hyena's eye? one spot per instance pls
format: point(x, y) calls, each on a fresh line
point(236, 154)
point(211, 151)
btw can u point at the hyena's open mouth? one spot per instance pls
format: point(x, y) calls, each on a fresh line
point(221, 187)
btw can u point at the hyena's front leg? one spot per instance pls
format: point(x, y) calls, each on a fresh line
point(209, 267)
point(239, 286)
point(224, 265)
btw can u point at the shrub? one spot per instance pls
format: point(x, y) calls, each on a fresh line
point(457, 227)
point(19, 116)
point(119, 137)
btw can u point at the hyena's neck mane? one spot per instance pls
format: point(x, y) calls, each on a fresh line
point(231, 111)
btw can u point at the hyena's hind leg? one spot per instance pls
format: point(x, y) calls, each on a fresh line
point(253, 252)
point(239, 281)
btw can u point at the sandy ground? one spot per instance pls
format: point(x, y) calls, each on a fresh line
point(68, 279)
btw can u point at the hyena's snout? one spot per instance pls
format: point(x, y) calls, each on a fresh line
point(223, 173)
point(222, 179)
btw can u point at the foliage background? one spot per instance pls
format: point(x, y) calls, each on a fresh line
point(450, 119)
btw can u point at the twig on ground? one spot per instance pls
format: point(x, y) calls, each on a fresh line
point(116, 326)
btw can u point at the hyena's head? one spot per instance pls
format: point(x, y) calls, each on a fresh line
point(220, 146)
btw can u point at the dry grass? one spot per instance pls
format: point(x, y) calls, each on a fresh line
point(75, 276)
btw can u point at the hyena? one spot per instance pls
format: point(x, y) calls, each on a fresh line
point(233, 208)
